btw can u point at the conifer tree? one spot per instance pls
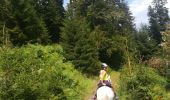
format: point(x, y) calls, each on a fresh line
point(110, 17)
point(145, 43)
point(117, 24)
point(9, 30)
point(158, 17)
point(52, 12)
point(32, 26)
point(79, 45)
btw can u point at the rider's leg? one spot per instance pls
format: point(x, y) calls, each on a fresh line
point(98, 86)
point(108, 84)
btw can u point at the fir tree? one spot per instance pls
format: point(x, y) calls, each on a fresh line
point(79, 45)
point(32, 26)
point(146, 44)
point(9, 30)
point(158, 17)
point(52, 12)
point(112, 18)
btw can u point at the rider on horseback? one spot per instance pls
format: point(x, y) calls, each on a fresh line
point(104, 77)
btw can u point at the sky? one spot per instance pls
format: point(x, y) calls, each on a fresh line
point(65, 2)
point(138, 8)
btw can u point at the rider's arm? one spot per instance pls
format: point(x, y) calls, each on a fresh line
point(102, 73)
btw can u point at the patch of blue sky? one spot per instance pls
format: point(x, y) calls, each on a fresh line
point(65, 3)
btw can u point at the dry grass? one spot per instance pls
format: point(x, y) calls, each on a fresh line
point(169, 95)
point(115, 79)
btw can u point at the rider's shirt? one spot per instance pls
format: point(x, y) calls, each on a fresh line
point(106, 76)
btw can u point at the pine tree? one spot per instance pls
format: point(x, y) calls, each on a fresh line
point(158, 17)
point(32, 26)
point(4, 17)
point(52, 12)
point(145, 43)
point(9, 30)
point(79, 45)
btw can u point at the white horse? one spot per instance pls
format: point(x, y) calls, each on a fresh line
point(105, 93)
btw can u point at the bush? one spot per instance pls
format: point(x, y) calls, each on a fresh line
point(39, 72)
point(142, 83)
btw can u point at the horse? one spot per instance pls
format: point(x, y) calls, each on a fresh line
point(105, 93)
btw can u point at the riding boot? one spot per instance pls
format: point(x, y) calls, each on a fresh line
point(95, 97)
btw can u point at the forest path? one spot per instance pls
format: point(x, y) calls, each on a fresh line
point(91, 91)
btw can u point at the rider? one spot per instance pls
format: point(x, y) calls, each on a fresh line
point(104, 77)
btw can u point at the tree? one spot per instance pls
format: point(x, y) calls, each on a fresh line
point(110, 17)
point(145, 43)
point(31, 25)
point(9, 29)
point(158, 17)
point(119, 27)
point(79, 45)
point(52, 12)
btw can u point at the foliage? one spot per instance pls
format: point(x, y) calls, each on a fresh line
point(9, 30)
point(146, 45)
point(112, 51)
point(33, 21)
point(32, 26)
point(39, 72)
point(52, 12)
point(166, 42)
point(141, 83)
point(158, 17)
point(166, 51)
point(113, 19)
point(79, 45)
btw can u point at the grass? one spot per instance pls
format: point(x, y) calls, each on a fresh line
point(91, 89)
point(115, 79)
point(168, 94)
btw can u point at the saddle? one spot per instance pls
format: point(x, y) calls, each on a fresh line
point(107, 84)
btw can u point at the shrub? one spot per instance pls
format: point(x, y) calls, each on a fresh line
point(39, 72)
point(143, 83)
